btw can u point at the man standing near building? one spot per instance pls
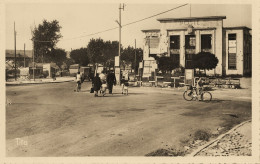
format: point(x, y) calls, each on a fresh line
point(111, 80)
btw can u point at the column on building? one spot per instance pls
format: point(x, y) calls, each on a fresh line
point(151, 49)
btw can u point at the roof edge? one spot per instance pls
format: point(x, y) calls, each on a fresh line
point(191, 18)
point(237, 27)
point(149, 30)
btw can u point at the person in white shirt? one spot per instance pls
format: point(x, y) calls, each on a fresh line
point(78, 80)
point(104, 83)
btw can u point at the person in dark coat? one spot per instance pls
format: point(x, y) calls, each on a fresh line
point(96, 84)
point(111, 80)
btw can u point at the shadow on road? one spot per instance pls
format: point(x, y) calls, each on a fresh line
point(215, 101)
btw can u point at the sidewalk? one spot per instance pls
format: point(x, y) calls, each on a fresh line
point(41, 81)
point(236, 142)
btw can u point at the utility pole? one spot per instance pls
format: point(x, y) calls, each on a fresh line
point(24, 56)
point(190, 10)
point(119, 49)
point(14, 52)
point(135, 59)
point(33, 66)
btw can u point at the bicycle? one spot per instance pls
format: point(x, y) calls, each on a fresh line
point(190, 94)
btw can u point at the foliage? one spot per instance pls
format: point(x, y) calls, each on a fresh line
point(166, 63)
point(179, 71)
point(80, 56)
point(58, 56)
point(110, 51)
point(67, 63)
point(95, 50)
point(45, 38)
point(128, 56)
point(205, 60)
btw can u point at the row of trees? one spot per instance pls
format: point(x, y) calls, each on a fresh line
point(104, 52)
point(46, 36)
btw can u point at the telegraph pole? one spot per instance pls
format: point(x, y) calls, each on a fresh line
point(190, 10)
point(24, 56)
point(119, 49)
point(14, 52)
point(135, 59)
point(33, 61)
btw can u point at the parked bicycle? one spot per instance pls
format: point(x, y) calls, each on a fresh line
point(191, 94)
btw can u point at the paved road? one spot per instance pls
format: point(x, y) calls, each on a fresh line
point(52, 120)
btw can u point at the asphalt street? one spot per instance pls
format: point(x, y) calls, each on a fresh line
point(53, 120)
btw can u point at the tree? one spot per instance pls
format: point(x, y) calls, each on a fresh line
point(128, 56)
point(58, 56)
point(45, 37)
point(95, 50)
point(166, 63)
point(110, 51)
point(80, 56)
point(205, 61)
point(68, 62)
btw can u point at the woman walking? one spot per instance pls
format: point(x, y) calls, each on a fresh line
point(96, 84)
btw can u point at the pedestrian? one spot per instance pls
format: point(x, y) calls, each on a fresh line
point(96, 84)
point(104, 82)
point(111, 80)
point(78, 81)
point(124, 85)
point(53, 76)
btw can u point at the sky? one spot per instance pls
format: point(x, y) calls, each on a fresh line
point(80, 19)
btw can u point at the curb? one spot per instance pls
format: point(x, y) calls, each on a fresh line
point(198, 150)
point(17, 84)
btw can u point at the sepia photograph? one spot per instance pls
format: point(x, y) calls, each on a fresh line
point(149, 81)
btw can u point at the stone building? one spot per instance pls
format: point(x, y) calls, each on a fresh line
point(181, 38)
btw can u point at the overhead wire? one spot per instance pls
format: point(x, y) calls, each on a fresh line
point(82, 36)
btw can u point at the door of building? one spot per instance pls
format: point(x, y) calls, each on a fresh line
point(190, 45)
point(175, 49)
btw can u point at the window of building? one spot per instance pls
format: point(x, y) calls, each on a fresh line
point(175, 42)
point(206, 42)
point(188, 61)
point(152, 55)
point(232, 54)
point(153, 42)
point(190, 41)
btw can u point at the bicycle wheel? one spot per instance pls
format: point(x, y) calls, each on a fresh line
point(206, 96)
point(188, 95)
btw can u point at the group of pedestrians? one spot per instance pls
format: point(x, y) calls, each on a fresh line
point(102, 82)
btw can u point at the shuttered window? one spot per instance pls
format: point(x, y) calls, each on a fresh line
point(232, 61)
point(153, 42)
point(232, 46)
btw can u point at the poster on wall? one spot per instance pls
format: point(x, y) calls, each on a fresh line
point(116, 61)
point(189, 76)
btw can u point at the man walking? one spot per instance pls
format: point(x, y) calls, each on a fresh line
point(111, 80)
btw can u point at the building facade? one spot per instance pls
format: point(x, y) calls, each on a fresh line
point(181, 38)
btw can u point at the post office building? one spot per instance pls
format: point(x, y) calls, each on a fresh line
point(181, 38)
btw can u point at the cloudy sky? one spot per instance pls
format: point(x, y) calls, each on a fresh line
point(81, 19)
